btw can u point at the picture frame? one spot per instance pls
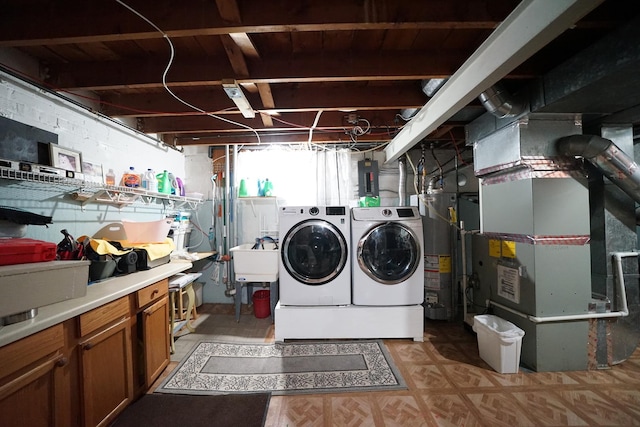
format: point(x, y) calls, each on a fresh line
point(92, 172)
point(65, 158)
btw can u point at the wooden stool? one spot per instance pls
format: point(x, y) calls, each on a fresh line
point(179, 285)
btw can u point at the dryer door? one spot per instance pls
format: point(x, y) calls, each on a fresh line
point(389, 253)
point(314, 252)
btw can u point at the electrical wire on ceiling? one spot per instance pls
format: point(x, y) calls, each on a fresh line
point(166, 71)
point(455, 146)
point(315, 123)
point(357, 130)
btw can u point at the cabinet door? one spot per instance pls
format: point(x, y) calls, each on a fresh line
point(155, 323)
point(106, 373)
point(32, 399)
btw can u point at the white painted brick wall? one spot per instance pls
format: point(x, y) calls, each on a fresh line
point(100, 140)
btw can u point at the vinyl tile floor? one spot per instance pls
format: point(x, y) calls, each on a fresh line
point(448, 384)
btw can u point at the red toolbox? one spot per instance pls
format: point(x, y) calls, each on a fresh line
point(22, 251)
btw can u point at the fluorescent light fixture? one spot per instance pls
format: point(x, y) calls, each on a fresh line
point(234, 92)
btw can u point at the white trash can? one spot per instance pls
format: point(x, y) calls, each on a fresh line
point(499, 342)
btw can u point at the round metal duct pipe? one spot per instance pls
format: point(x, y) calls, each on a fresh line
point(499, 102)
point(621, 169)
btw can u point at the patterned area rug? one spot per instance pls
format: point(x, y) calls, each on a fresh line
point(287, 368)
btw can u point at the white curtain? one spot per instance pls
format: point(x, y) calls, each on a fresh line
point(299, 177)
point(333, 177)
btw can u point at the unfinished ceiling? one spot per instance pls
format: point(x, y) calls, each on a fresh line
point(331, 71)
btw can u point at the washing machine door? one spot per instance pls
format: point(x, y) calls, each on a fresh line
point(314, 252)
point(389, 253)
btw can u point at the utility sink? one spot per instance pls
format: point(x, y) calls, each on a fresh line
point(26, 287)
point(256, 265)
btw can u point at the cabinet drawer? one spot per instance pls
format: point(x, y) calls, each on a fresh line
point(152, 293)
point(98, 317)
point(22, 353)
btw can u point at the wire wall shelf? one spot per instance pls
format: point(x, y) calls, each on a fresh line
point(86, 192)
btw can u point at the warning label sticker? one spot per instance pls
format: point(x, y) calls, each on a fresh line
point(509, 283)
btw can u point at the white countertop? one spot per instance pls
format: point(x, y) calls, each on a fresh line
point(97, 294)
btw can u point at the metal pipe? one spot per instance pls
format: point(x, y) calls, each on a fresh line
point(402, 185)
point(465, 279)
point(563, 318)
point(616, 165)
point(227, 217)
point(497, 101)
point(623, 312)
point(465, 275)
point(617, 257)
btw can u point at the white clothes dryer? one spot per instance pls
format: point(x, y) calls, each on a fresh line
point(315, 255)
point(387, 256)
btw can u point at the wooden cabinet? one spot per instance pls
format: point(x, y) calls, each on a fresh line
point(32, 390)
point(106, 362)
point(155, 321)
point(152, 303)
point(86, 370)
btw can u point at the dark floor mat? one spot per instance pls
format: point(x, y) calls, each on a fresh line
point(171, 410)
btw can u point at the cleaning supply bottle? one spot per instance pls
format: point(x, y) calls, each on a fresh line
point(110, 178)
point(131, 178)
point(180, 190)
point(174, 183)
point(149, 181)
point(164, 183)
point(267, 188)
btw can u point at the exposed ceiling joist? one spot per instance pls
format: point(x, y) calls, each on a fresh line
point(291, 58)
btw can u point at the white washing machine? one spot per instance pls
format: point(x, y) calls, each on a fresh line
point(387, 256)
point(315, 254)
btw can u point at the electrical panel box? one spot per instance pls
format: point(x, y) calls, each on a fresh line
point(368, 178)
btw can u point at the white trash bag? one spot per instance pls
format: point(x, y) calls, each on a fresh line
point(499, 342)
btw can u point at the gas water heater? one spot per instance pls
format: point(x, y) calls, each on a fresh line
point(437, 208)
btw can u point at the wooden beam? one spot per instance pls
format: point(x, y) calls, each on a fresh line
point(229, 10)
point(393, 66)
point(267, 102)
point(22, 27)
point(289, 98)
point(330, 120)
point(245, 44)
point(236, 58)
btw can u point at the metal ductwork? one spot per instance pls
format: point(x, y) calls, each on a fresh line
point(499, 102)
point(608, 158)
point(402, 185)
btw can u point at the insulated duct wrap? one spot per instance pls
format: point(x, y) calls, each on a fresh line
point(621, 169)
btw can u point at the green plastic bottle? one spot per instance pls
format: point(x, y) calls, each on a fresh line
point(164, 183)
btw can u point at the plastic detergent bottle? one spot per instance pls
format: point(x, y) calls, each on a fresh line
point(164, 183)
point(131, 178)
point(149, 181)
point(267, 188)
point(110, 178)
point(174, 183)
